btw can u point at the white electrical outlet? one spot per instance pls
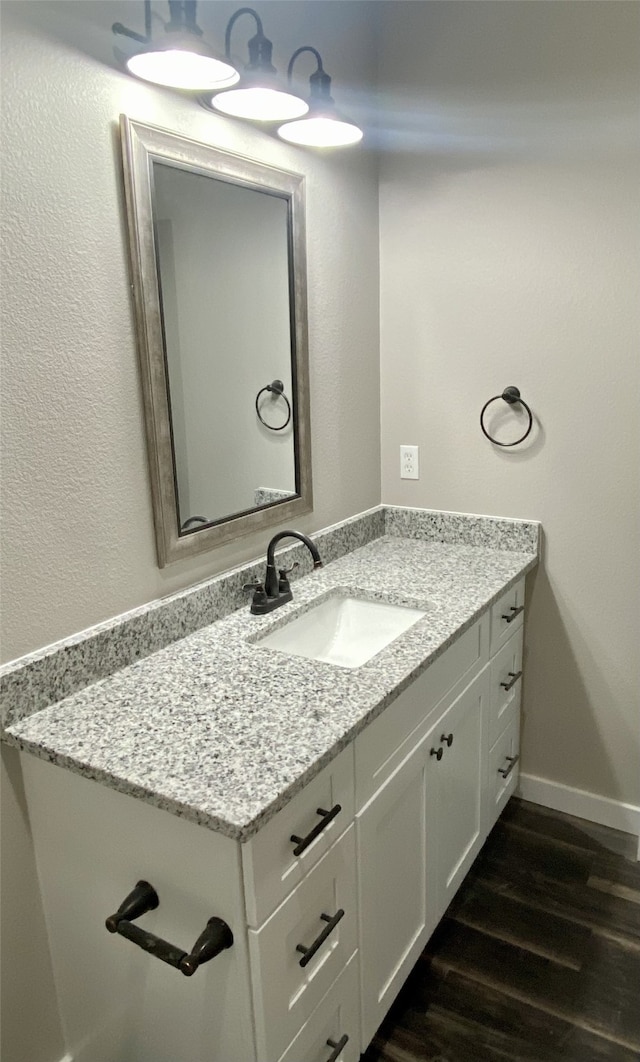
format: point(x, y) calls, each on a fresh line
point(409, 462)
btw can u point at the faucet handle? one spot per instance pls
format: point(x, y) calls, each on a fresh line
point(283, 582)
point(259, 594)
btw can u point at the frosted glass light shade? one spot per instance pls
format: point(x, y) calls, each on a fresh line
point(321, 131)
point(182, 68)
point(260, 104)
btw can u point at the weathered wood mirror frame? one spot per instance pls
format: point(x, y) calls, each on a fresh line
point(141, 145)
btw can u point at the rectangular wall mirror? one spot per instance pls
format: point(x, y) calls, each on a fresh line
point(219, 281)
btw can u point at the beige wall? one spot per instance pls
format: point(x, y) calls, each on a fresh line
point(78, 532)
point(510, 238)
point(78, 544)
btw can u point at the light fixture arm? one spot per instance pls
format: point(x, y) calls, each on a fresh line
point(320, 82)
point(182, 16)
point(122, 31)
point(260, 48)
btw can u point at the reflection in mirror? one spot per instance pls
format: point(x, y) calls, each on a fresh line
point(223, 260)
point(219, 282)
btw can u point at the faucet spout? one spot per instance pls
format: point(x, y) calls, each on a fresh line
point(276, 586)
point(271, 578)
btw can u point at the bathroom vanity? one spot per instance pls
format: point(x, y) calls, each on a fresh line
point(326, 814)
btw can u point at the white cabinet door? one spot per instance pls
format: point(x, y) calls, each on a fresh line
point(455, 785)
point(394, 926)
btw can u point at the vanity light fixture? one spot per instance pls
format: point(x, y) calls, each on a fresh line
point(323, 126)
point(259, 97)
point(183, 60)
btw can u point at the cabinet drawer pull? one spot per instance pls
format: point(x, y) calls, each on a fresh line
point(303, 842)
point(215, 937)
point(308, 953)
point(506, 771)
point(337, 1047)
point(515, 611)
point(514, 676)
point(447, 738)
point(437, 753)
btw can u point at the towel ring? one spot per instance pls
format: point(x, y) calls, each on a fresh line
point(276, 388)
point(511, 395)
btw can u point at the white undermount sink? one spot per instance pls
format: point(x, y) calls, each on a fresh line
point(343, 630)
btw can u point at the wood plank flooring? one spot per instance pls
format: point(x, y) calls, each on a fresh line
point(537, 958)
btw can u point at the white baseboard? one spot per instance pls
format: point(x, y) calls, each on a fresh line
point(579, 802)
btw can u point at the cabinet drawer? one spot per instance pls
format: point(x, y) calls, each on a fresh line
point(507, 615)
point(335, 1018)
point(506, 685)
point(286, 993)
point(389, 739)
point(270, 867)
point(503, 770)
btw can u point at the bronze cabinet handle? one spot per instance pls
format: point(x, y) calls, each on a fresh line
point(308, 953)
point(303, 842)
point(515, 611)
point(215, 937)
point(337, 1047)
point(514, 676)
point(506, 771)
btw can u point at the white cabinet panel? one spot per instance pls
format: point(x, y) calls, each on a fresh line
point(392, 854)
point(334, 1022)
point(506, 685)
point(502, 771)
point(286, 993)
point(117, 1002)
point(507, 615)
point(271, 869)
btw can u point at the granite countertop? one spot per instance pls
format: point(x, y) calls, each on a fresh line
point(224, 732)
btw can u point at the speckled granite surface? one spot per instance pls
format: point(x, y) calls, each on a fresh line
point(35, 681)
point(224, 732)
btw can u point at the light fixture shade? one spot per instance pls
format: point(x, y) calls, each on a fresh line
point(183, 63)
point(323, 126)
point(320, 130)
point(260, 103)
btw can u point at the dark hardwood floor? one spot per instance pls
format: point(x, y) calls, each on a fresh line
point(537, 958)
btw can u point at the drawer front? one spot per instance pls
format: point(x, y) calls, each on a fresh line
point(286, 993)
point(503, 770)
point(388, 740)
point(333, 1020)
point(507, 616)
point(506, 685)
point(270, 866)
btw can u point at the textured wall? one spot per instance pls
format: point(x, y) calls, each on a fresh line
point(510, 233)
point(78, 543)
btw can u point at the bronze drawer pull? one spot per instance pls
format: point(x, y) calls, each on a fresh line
point(215, 937)
point(515, 611)
point(337, 1047)
point(514, 676)
point(438, 753)
point(303, 842)
point(308, 953)
point(506, 771)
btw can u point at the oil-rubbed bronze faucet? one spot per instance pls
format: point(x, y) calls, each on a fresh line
point(276, 590)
